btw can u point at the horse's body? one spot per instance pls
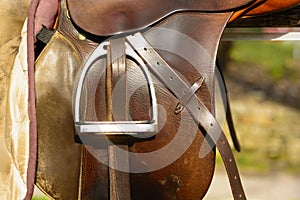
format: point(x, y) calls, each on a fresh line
point(66, 170)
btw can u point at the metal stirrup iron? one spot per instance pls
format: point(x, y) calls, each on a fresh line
point(146, 128)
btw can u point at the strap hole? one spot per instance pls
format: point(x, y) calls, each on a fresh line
point(105, 47)
point(171, 77)
point(223, 142)
point(211, 124)
point(158, 63)
point(235, 177)
point(240, 195)
point(230, 160)
point(145, 49)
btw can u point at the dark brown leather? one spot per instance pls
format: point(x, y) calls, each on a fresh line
point(119, 182)
point(187, 172)
point(94, 181)
point(176, 85)
point(108, 17)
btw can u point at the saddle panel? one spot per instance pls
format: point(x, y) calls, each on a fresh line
point(58, 158)
point(108, 17)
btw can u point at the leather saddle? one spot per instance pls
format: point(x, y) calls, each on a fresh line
point(115, 70)
point(119, 16)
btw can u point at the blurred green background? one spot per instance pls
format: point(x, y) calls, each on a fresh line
point(264, 89)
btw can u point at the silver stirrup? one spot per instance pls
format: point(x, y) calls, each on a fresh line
point(141, 129)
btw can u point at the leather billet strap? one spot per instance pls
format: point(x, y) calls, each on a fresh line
point(196, 108)
point(99, 181)
point(225, 100)
point(119, 185)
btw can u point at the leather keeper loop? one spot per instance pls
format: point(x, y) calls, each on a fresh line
point(188, 95)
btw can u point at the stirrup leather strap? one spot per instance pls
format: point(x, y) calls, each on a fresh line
point(119, 185)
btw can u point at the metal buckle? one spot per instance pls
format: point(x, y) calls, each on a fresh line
point(141, 129)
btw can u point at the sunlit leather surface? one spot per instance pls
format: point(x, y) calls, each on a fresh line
point(58, 156)
point(14, 132)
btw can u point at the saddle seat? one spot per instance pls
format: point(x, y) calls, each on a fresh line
point(109, 17)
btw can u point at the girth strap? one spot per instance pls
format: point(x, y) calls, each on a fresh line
point(215, 135)
point(229, 119)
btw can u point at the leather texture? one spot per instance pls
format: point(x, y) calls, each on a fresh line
point(133, 15)
point(58, 161)
point(14, 133)
point(196, 108)
point(59, 157)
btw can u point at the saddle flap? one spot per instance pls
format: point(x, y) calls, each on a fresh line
point(108, 17)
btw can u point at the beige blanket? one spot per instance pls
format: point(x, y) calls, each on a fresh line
point(14, 130)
